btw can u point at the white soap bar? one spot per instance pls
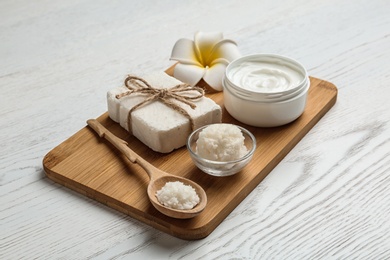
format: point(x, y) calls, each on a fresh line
point(155, 124)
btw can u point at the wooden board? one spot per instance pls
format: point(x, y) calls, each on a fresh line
point(94, 168)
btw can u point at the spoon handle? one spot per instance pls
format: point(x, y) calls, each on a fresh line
point(121, 145)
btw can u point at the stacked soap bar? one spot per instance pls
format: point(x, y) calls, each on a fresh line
point(155, 124)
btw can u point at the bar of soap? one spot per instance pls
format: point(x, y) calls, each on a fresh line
point(155, 124)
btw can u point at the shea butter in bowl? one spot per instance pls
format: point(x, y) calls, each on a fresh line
point(221, 149)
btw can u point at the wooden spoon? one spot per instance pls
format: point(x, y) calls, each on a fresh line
point(158, 178)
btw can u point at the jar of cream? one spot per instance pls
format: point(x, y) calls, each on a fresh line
point(265, 90)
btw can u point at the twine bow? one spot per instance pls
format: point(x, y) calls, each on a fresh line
point(182, 92)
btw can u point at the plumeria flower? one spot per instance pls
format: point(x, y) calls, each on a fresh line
point(206, 57)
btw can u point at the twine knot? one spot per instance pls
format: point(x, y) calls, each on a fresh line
point(183, 93)
point(162, 93)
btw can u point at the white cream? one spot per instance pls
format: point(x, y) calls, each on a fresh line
point(265, 77)
point(265, 90)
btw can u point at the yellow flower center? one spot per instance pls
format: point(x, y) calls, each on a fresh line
point(206, 54)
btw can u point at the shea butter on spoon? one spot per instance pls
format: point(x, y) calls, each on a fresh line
point(177, 195)
point(158, 178)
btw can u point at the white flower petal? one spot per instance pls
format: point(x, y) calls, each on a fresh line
point(184, 52)
point(226, 49)
point(206, 57)
point(219, 60)
point(189, 74)
point(214, 75)
point(204, 44)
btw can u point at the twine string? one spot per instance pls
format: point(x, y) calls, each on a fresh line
point(183, 93)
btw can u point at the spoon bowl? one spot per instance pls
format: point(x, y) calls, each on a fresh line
point(158, 178)
point(153, 187)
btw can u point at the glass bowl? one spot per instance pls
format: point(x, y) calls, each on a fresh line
point(221, 168)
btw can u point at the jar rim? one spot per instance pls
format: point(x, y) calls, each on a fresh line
point(268, 57)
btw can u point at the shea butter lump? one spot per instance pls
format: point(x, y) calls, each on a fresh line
point(177, 195)
point(221, 142)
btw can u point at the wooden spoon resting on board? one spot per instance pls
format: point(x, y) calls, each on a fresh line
point(158, 178)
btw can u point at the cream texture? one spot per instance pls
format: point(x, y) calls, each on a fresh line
point(221, 142)
point(158, 126)
point(263, 76)
point(177, 195)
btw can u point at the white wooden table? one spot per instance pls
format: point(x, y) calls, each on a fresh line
point(329, 197)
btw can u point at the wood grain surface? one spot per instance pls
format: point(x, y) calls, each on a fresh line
point(328, 198)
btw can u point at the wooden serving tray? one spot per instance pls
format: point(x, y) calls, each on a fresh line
point(91, 166)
